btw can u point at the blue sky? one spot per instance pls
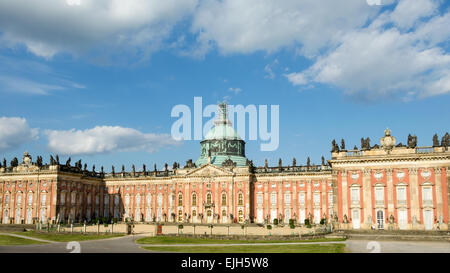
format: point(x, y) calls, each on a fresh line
point(98, 81)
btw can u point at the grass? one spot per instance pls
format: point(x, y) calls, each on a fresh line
point(186, 240)
point(67, 237)
point(6, 240)
point(314, 248)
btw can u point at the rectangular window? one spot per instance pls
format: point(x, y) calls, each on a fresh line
point(355, 195)
point(259, 199)
point(401, 194)
point(330, 198)
point(427, 195)
point(317, 198)
point(301, 198)
point(379, 194)
point(287, 198)
point(273, 198)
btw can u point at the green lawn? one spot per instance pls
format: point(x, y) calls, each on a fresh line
point(186, 240)
point(67, 237)
point(6, 240)
point(330, 248)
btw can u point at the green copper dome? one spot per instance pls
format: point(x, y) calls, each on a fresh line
point(222, 143)
point(222, 131)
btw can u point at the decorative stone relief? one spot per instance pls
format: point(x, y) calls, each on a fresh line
point(425, 174)
point(354, 176)
point(378, 175)
point(400, 175)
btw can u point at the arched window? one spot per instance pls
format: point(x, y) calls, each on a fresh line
point(149, 199)
point(30, 199)
point(19, 198)
point(224, 199)
point(43, 199)
point(180, 199)
point(240, 199)
point(6, 199)
point(194, 199)
point(208, 198)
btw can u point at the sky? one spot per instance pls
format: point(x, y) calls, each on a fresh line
point(97, 80)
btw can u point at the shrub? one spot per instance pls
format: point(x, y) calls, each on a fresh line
point(180, 226)
point(307, 223)
point(269, 227)
point(291, 222)
point(275, 222)
point(292, 226)
point(323, 221)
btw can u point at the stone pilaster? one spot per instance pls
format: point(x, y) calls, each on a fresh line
point(414, 193)
point(367, 195)
point(438, 187)
point(344, 194)
point(390, 192)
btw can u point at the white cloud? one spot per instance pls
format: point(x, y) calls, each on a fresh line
point(296, 78)
point(237, 26)
point(15, 132)
point(105, 139)
point(408, 12)
point(382, 60)
point(47, 27)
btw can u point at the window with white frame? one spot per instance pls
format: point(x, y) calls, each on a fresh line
point(316, 198)
point(287, 198)
point(427, 195)
point(401, 195)
point(43, 199)
point(301, 198)
point(30, 199)
point(355, 194)
point(379, 195)
point(259, 199)
point(273, 198)
point(330, 198)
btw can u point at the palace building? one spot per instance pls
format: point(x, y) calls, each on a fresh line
point(372, 187)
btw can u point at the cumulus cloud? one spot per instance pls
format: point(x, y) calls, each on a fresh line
point(48, 27)
point(105, 139)
point(15, 132)
point(385, 59)
point(237, 26)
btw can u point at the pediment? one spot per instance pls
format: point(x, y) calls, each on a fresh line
point(209, 170)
